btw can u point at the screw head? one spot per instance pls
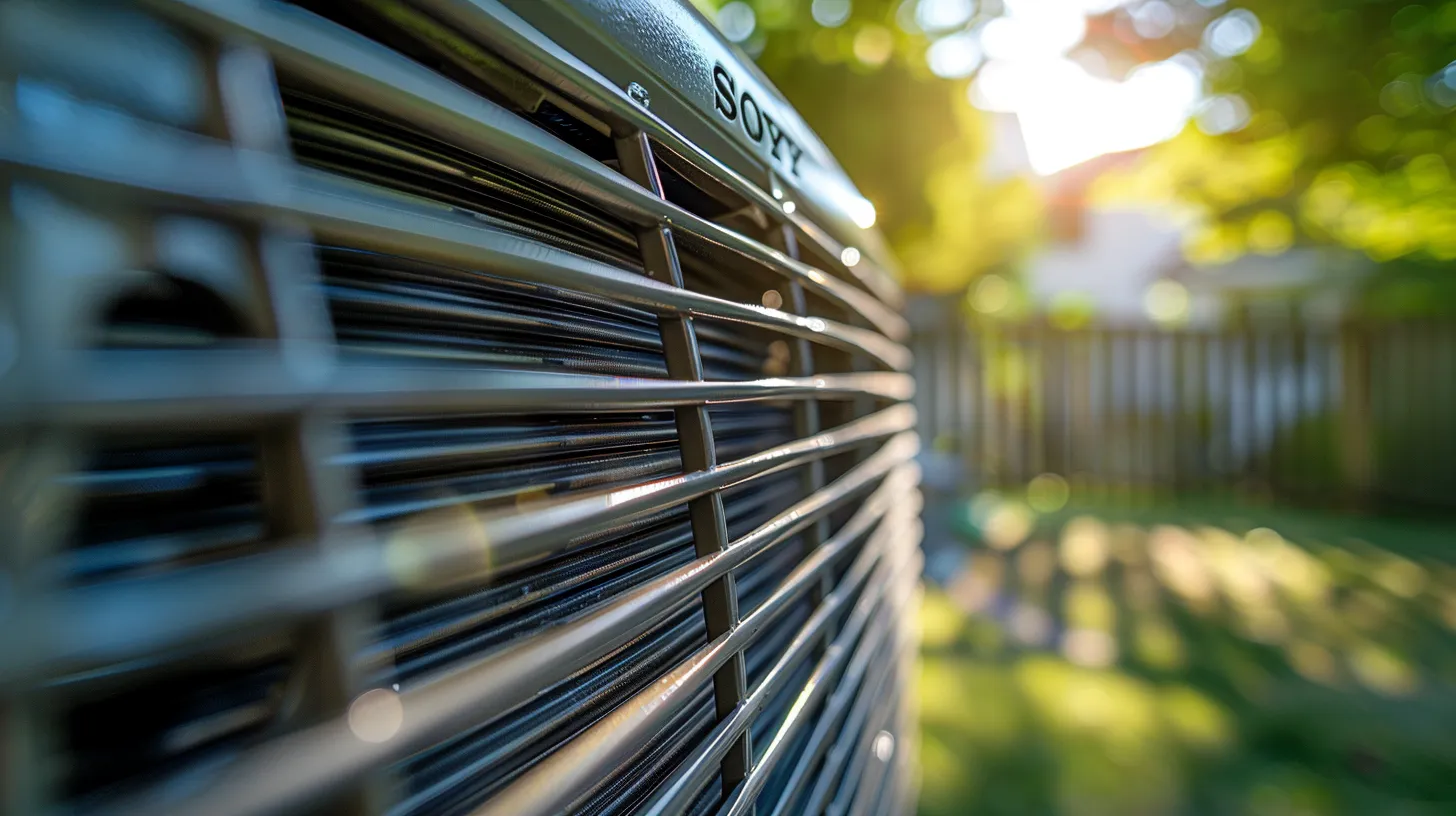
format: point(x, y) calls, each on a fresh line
point(639, 94)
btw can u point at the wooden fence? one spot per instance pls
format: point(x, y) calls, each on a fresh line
point(1358, 413)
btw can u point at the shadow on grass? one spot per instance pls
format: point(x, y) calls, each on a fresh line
point(1085, 663)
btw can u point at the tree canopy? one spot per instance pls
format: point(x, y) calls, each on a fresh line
point(857, 72)
point(1321, 121)
point(1341, 133)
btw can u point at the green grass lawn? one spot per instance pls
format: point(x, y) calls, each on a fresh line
point(1198, 659)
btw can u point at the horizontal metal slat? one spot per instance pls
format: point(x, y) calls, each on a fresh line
point(384, 305)
point(421, 639)
point(513, 38)
point(903, 586)
point(465, 770)
point(339, 59)
point(240, 386)
point(309, 764)
point(519, 539)
point(560, 780)
point(78, 628)
point(499, 609)
point(190, 718)
point(330, 208)
point(882, 598)
point(335, 136)
point(757, 580)
point(172, 167)
point(631, 782)
point(789, 739)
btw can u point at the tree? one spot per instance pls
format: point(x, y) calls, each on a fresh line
point(1341, 133)
point(907, 138)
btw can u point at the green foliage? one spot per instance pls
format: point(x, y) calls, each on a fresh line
point(1412, 287)
point(1342, 707)
point(1350, 139)
point(908, 139)
point(1350, 142)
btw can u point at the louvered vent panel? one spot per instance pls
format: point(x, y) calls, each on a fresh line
point(404, 421)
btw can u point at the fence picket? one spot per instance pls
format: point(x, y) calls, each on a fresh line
point(1356, 413)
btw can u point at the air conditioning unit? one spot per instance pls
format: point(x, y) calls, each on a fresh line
point(440, 407)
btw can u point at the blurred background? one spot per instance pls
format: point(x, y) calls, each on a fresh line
point(1186, 343)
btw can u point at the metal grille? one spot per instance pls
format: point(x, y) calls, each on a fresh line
point(389, 424)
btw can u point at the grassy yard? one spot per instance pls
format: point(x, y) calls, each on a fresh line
point(1198, 660)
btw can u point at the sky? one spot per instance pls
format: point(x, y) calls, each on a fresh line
point(1068, 114)
point(1024, 60)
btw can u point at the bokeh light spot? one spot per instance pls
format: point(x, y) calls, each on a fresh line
point(940, 622)
point(861, 212)
point(1401, 577)
point(376, 715)
point(1154, 20)
point(1008, 525)
point(1376, 134)
point(1177, 562)
point(1196, 719)
point(873, 45)
point(1087, 605)
point(1030, 624)
point(1222, 114)
point(1156, 643)
point(954, 56)
point(1036, 563)
point(1270, 233)
point(1401, 97)
point(991, 295)
point(1048, 493)
point(1167, 302)
point(1232, 34)
point(830, 13)
point(1312, 661)
point(1084, 547)
point(737, 21)
point(1089, 647)
point(975, 588)
point(1382, 670)
point(939, 15)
